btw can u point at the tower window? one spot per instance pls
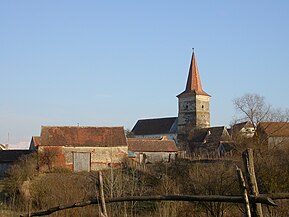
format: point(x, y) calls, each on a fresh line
point(202, 106)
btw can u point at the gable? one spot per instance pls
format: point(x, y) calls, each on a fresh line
point(241, 125)
point(35, 140)
point(34, 143)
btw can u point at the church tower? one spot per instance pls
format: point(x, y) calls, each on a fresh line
point(194, 103)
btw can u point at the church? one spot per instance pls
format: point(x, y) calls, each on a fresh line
point(191, 128)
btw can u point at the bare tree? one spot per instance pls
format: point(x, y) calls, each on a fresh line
point(252, 107)
point(46, 158)
point(278, 115)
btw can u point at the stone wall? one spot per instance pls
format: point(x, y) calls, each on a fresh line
point(202, 111)
point(187, 113)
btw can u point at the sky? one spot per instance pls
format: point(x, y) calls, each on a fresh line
point(110, 63)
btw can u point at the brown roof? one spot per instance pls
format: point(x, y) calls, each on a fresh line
point(275, 129)
point(194, 82)
point(36, 140)
point(83, 136)
point(155, 126)
point(149, 145)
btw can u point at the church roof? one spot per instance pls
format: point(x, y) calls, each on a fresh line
point(155, 126)
point(194, 82)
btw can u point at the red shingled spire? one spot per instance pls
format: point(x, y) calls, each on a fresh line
point(194, 82)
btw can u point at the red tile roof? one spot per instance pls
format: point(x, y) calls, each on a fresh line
point(155, 126)
point(275, 129)
point(194, 82)
point(149, 145)
point(83, 136)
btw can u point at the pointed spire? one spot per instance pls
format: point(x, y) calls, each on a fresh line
point(194, 81)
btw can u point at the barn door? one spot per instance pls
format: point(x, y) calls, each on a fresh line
point(81, 161)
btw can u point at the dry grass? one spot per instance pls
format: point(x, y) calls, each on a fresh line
point(180, 177)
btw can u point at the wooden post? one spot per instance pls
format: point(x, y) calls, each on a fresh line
point(101, 194)
point(248, 160)
point(244, 192)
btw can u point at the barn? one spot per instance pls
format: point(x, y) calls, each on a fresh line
point(81, 148)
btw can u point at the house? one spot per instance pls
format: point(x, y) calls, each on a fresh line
point(8, 157)
point(152, 150)
point(243, 129)
point(156, 128)
point(212, 141)
point(273, 134)
point(81, 148)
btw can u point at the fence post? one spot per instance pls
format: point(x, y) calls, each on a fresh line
point(248, 160)
point(101, 194)
point(244, 192)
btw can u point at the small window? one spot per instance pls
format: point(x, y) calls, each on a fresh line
point(202, 106)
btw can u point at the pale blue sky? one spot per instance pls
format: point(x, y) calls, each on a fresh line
point(110, 63)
